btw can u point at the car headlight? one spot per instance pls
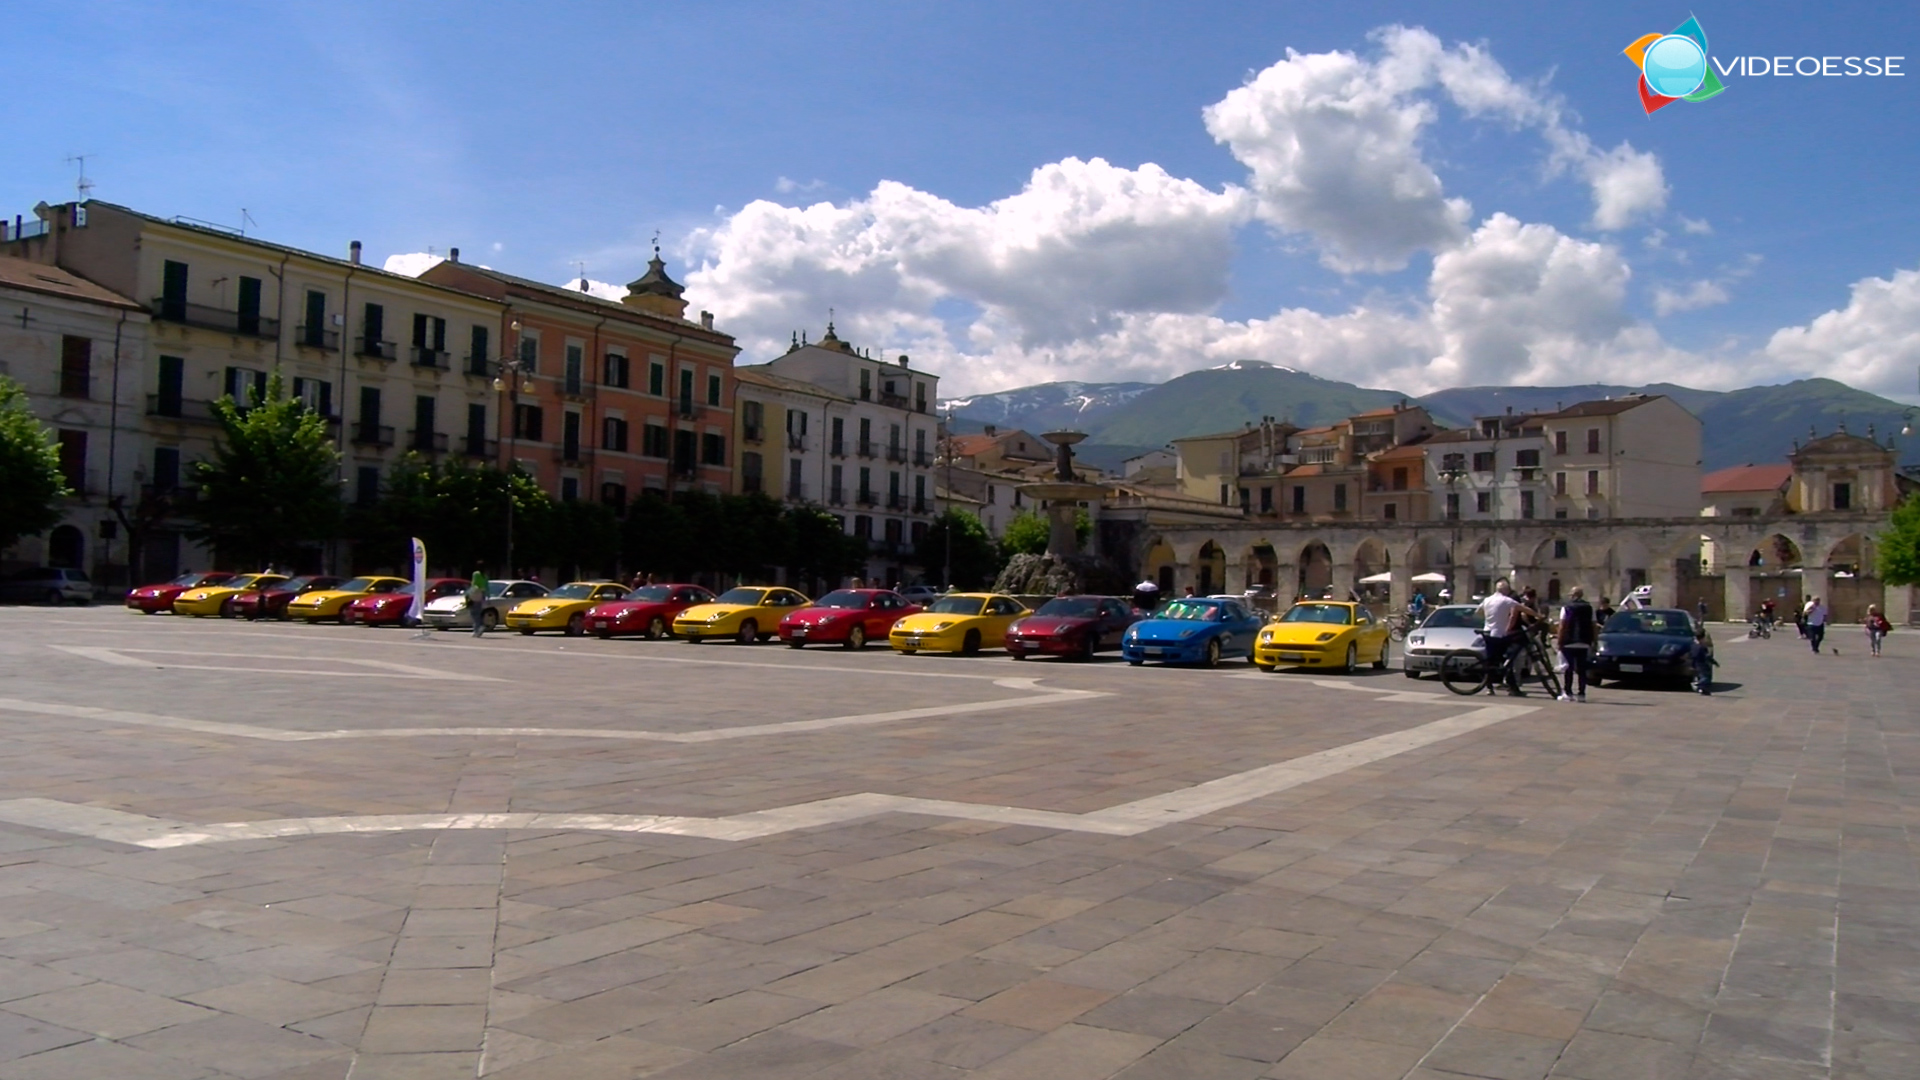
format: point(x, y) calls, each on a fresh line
point(1416, 639)
point(939, 626)
point(1266, 635)
point(716, 616)
point(1133, 634)
point(1327, 636)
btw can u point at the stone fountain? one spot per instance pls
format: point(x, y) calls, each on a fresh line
point(1064, 567)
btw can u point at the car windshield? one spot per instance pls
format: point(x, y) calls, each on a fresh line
point(359, 584)
point(1189, 611)
point(1337, 614)
point(1070, 607)
point(1666, 623)
point(243, 581)
point(741, 596)
point(578, 590)
point(957, 605)
point(391, 585)
point(651, 592)
point(295, 584)
point(183, 579)
point(842, 598)
point(1449, 618)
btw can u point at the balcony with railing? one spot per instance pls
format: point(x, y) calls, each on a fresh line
point(427, 442)
point(572, 455)
point(317, 337)
point(866, 497)
point(484, 449)
point(837, 448)
point(923, 458)
point(836, 495)
point(796, 491)
point(246, 324)
point(374, 349)
point(896, 501)
point(753, 433)
point(476, 364)
point(897, 401)
point(868, 448)
point(897, 454)
point(921, 505)
point(380, 435)
point(688, 408)
point(424, 357)
point(22, 229)
point(186, 410)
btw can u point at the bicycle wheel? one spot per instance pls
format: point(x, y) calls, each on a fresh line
point(1548, 675)
point(1464, 672)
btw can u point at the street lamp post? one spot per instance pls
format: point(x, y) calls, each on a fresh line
point(946, 565)
point(513, 372)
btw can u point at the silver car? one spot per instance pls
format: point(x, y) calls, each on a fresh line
point(47, 585)
point(450, 612)
point(1446, 629)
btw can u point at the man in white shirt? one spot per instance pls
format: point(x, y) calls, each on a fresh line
point(1502, 631)
point(1816, 622)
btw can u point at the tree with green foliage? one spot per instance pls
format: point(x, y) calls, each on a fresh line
point(31, 485)
point(273, 481)
point(1029, 531)
point(819, 551)
point(657, 537)
point(1899, 546)
point(459, 511)
point(974, 560)
point(583, 539)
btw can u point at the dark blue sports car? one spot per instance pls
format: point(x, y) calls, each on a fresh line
point(1196, 630)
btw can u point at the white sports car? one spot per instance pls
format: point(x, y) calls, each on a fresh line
point(1446, 629)
point(450, 612)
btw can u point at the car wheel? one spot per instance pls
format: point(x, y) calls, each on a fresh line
point(749, 632)
point(1213, 652)
point(857, 637)
point(1016, 655)
point(1089, 645)
point(526, 631)
point(226, 609)
point(970, 645)
point(796, 643)
point(490, 619)
point(576, 625)
point(656, 629)
point(1380, 662)
point(54, 599)
point(1353, 660)
point(604, 634)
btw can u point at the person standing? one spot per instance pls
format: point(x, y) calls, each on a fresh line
point(477, 602)
point(1418, 608)
point(1502, 631)
point(1702, 607)
point(1877, 628)
point(1816, 622)
point(1576, 639)
point(1602, 613)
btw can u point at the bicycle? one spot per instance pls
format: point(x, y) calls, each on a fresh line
point(1397, 626)
point(1467, 672)
point(1759, 628)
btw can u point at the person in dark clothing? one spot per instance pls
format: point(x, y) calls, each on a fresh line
point(1602, 613)
point(1576, 639)
point(1702, 657)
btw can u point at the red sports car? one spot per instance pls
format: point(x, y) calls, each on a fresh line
point(847, 617)
point(154, 599)
point(390, 609)
point(272, 604)
point(647, 610)
point(1074, 626)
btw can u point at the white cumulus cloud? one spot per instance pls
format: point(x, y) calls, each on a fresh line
point(1873, 343)
point(412, 263)
point(1699, 294)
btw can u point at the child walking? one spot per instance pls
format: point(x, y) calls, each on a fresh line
point(1877, 628)
point(1702, 657)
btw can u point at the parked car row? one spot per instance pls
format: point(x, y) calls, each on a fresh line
point(1634, 643)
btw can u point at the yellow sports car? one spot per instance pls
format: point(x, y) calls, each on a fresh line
point(748, 614)
point(565, 608)
point(958, 622)
point(326, 603)
point(216, 599)
point(1323, 633)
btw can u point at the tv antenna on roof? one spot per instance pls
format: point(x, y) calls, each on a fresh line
point(82, 187)
point(581, 266)
point(246, 219)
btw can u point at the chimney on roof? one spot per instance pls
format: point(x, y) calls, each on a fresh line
point(706, 320)
point(353, 253)
point(991, 430)
point(453, 254)
point(903, 359)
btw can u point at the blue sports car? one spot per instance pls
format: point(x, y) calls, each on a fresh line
point(1194, 631)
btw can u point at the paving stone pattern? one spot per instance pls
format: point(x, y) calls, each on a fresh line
point(1655, 885)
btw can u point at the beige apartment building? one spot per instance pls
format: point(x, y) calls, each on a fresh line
point(394, 364)
point(78, 350)
point(1633, 456)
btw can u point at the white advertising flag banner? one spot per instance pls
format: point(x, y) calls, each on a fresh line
point(419, 581)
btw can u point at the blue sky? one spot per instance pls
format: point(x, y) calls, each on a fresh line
point(538, 136)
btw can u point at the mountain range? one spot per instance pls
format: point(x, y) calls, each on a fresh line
point(1756, 424)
